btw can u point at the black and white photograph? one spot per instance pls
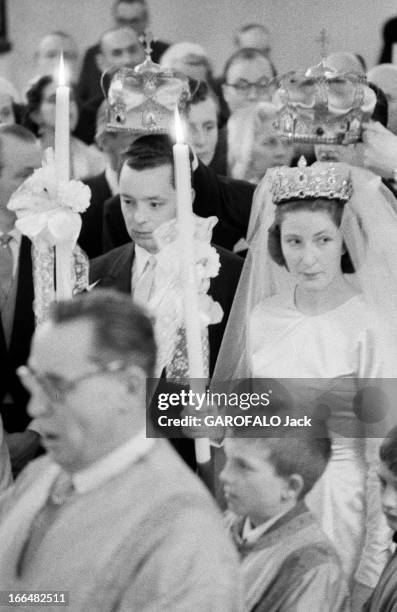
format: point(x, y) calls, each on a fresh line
point(198, 298)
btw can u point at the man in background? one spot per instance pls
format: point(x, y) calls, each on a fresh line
point(49, 51)
point(118, 47)
point(19, 157)
point(132, 14)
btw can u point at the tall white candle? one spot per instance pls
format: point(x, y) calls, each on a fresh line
point(62, 126)
point(186, 241)
point(63, 249)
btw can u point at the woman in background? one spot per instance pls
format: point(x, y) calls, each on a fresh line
point(85, 160)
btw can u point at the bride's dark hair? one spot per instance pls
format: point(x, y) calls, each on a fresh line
point(334, 208)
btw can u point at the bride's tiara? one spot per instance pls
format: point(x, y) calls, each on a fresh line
point(322, 180)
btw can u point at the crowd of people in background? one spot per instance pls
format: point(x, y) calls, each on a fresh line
point(88, 503)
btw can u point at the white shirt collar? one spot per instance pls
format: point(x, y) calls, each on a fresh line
point(112, 179)
point(140, 260)
point(252, 534)
point(113, 463)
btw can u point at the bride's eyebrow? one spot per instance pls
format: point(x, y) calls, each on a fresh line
point(324, 231)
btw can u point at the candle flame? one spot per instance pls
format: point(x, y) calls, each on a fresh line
point(178, 127)
point(61, 71)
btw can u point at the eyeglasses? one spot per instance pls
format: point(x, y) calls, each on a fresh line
point(243, 86)
point(57, 388)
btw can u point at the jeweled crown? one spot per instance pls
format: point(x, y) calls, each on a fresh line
point(322, 106)
point(322, 180)
point(142, 100)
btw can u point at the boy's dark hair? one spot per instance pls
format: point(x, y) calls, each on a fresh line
point(388, 451)
point(305, 455)
point(150, 152)
point(305, 452)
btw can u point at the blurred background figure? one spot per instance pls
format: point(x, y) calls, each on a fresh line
point(254, 36)
point(254, 145)
point(132, 14)
point(11, 110)
point(188, 58)
point(118, 47)
point(246, 79)
point(7, 114)
point(203, 134)
point(49, 51)
point(341, 61)
point(385, 77)
point(192, 60)
point(40, 119)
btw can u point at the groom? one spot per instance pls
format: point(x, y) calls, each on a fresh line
point(148, 199)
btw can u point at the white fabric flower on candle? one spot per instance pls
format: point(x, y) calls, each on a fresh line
point(47, 209)
point(169, 280)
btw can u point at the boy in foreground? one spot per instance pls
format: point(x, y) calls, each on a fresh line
point(286, 560)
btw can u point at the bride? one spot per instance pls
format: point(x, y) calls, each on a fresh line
point(316, 301)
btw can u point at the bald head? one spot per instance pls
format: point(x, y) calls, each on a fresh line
point(120, 47)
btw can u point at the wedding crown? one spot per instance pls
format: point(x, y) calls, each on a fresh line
point(322, 180)
point(142, 100)
point(322, 106)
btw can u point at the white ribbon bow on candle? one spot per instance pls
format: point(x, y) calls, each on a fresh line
point(47, 212)
point(47, 209)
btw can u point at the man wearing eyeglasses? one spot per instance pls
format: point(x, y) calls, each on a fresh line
point(246, 79)
point(112, 519)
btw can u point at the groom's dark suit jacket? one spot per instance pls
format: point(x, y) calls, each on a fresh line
point(113, 270)
point(14, 415)
point(91, 234)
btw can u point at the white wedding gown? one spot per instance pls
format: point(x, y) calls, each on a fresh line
point(333, 349)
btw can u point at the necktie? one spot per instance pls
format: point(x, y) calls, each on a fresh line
point(6, 268)
point(144, 287)
point(61, 491)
